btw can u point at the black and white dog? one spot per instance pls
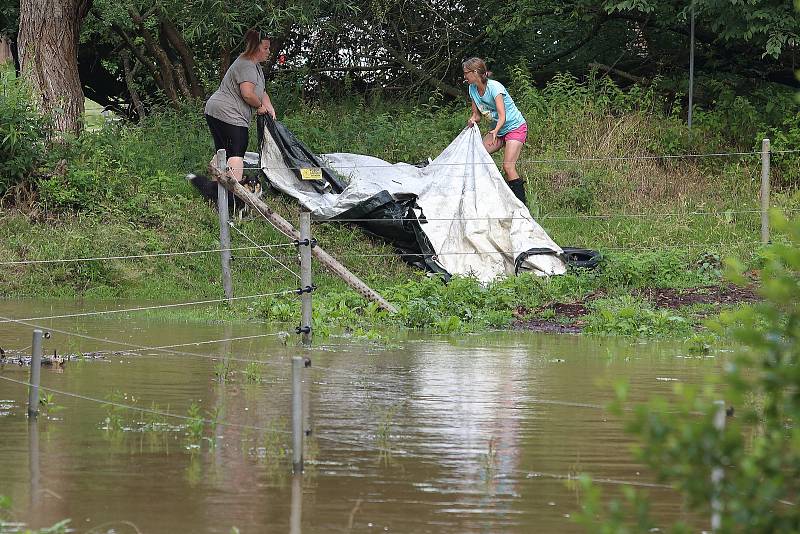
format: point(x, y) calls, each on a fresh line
point(251, 179)
point(236, 207)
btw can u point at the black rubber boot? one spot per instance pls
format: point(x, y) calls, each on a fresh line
point(518, 188)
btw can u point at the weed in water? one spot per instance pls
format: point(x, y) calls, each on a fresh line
point(48, 404)
point(213, 417)
point(152, 420)
point(62, 527)
point(194, 427)
point(490, 458)
point(5, 507)
point(383, 434)
point(115, 419)
point(252, 373)
point(701, 344)
point(222, 371)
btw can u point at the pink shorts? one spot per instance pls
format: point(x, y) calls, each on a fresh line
point(518, 134)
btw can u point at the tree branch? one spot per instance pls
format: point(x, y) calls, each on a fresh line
point(177, 42)
point(620, 73)
point(601, 19)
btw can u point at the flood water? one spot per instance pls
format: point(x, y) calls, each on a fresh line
point(470, 433)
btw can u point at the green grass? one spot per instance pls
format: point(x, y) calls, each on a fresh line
point(121, 190)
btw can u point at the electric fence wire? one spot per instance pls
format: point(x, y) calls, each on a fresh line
point(389, 451)
point(144, 348)
point(600, 216)
point(264, 215)
point(141, 409)
point(632, 248)
point(356, 445)
point(145, 308)
point(264, 250)
point(389, 390)
point(516, 252)
point(550, 160)
point(139, 256)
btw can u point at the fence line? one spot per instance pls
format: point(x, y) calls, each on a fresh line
point(382, 450)
point(208, 342)
point(515, 252)
point(544, 217)
point(507, 252)
point(389, 451)
point(547, 160)
point(264, 250)
point(256, 246)
point(208, 421)
point(576, 478)
point(144, 410)
point(144, 308)
point(140, 348)
point(139, 256)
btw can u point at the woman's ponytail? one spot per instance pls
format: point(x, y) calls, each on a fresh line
point(252, 40)
point(479, 66)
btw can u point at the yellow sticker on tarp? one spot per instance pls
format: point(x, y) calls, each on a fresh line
point(311, 174)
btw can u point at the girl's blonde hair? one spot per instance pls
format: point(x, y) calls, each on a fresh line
point(479, 66)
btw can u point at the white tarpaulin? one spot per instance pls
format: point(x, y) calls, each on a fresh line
point(472, 219)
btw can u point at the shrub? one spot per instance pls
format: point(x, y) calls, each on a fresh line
point(23, 131)
point(759, 448)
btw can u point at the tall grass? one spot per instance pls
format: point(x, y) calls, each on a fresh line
point(121, 190)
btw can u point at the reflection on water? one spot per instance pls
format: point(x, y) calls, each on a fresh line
point(435, 434)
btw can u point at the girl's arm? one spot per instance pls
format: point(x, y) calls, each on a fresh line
point(501, 115)
point(475, 118)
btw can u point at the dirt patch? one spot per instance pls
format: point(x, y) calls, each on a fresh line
point(566, 317)
point(716, 295)
point(562, 317)
point(549, 326)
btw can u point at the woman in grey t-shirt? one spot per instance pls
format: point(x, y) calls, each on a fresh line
point(229, 110)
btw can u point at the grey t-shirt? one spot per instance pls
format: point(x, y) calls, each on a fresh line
point(227, 104)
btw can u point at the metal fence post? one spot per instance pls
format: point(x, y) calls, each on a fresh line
point(33, 462)
point(36, 371)
point(765, 156)
point(296, 514)
point(305, 275)
point(297, 414)
point(224, 229)
point(717, 473)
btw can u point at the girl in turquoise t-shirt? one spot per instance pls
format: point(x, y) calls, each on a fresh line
point(490, 99)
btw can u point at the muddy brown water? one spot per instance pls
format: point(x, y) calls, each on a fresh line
point(469, 433)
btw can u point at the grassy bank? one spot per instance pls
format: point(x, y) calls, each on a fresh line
point(660, 222)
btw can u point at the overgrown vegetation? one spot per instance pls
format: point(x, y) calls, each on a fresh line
point(659, 222)
point(759, 447)
point(62, 527)
point(23, 131)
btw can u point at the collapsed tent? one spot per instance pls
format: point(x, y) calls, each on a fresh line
point(455, 215)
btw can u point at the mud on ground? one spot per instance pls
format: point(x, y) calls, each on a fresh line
point(566, 317)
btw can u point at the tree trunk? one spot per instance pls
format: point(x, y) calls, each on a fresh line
point(135, 100)
point(5, 50)
point(187, 57)
point(48, 50)
point(165, 67)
